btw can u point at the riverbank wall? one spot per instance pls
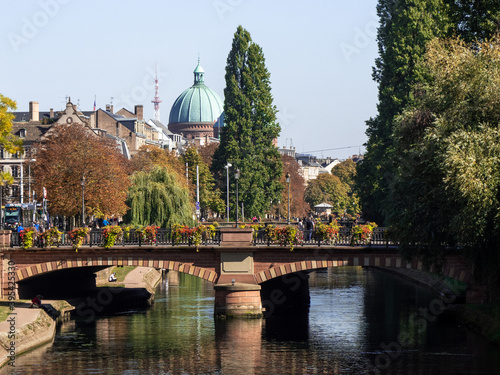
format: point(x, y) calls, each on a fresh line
point(27, 328)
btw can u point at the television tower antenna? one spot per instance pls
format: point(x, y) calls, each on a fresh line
point(156, 101)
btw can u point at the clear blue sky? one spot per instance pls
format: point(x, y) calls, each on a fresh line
point(319, 54)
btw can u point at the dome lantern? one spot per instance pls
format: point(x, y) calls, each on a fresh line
point(198, 74)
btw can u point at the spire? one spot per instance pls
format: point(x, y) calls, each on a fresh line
point(198, 73)
point(156, 101)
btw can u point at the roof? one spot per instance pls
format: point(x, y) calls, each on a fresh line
point(197, 104)
point(34, 130)
point(323, 205)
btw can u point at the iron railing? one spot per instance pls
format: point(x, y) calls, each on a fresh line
point(127, 238)
point(344, 238)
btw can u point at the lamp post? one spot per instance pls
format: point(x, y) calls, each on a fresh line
point(29, 178)
point(237, 177)
point(288, 182)
point(83, 200)
point(227, 166)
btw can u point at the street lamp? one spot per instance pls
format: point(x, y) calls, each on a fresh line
point(237, 177)
point(288, 182)
point(227, 166)
point(29, 178)
point(83, 200)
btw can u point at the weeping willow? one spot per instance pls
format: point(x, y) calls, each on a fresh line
point(156, 197)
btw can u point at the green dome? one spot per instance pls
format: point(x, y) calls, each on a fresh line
point(198, 103)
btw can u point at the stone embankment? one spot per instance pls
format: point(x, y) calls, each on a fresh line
point(27, 328)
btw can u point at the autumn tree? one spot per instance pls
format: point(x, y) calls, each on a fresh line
point(69, 153)
point(250, 127)
point(8, 141)
point(207, 153)
point(150, 156)
point(298, 206)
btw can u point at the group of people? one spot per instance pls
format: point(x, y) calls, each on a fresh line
point(36, 225)
point(307, 226)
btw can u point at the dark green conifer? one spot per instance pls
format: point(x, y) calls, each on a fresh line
point(250, 128)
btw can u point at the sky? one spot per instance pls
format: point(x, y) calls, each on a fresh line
point(319, 54)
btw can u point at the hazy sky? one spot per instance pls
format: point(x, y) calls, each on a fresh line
point(319, 54)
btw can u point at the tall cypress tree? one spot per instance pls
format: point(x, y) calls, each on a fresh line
point(250, 128)
point(405, 28)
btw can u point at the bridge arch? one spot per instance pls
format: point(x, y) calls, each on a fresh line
point(108, 261)
point(453, 269)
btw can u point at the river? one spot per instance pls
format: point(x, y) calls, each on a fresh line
point(361, 321)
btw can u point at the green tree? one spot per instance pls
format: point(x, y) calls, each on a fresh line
point(210, 197)
point(406, 27)
point(157, 197)
point(346, 172)
point(448, 171)
point(475, 20)
point(327, 189)
point(250, 128)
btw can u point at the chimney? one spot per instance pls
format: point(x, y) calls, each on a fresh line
point(51, 113)
point(109, 108)
point(34, 113)
point(139, 112)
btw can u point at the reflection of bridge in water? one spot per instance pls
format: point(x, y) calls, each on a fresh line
point(247, 277)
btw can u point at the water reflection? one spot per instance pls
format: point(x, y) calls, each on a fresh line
point(355, 319)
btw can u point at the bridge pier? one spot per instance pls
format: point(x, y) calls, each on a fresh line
point(237, 300)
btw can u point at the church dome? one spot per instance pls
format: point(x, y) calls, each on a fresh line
point(197, 104)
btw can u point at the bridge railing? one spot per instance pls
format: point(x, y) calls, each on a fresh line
point(164, 238)
point(344, 238)
point(128, 238)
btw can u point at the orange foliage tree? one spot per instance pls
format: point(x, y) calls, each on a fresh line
point(69, 152)
point(298, 206)
point(149, 156)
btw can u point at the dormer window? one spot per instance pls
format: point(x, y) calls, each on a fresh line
point(22, 133)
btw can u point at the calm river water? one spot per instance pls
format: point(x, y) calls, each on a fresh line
point(361, 321)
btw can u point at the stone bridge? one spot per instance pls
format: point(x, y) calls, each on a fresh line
point(237, 269)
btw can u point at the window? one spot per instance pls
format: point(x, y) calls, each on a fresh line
point(22, 133)
point(15, 171)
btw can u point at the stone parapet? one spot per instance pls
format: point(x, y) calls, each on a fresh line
point(5, 238)
point(236, 236)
